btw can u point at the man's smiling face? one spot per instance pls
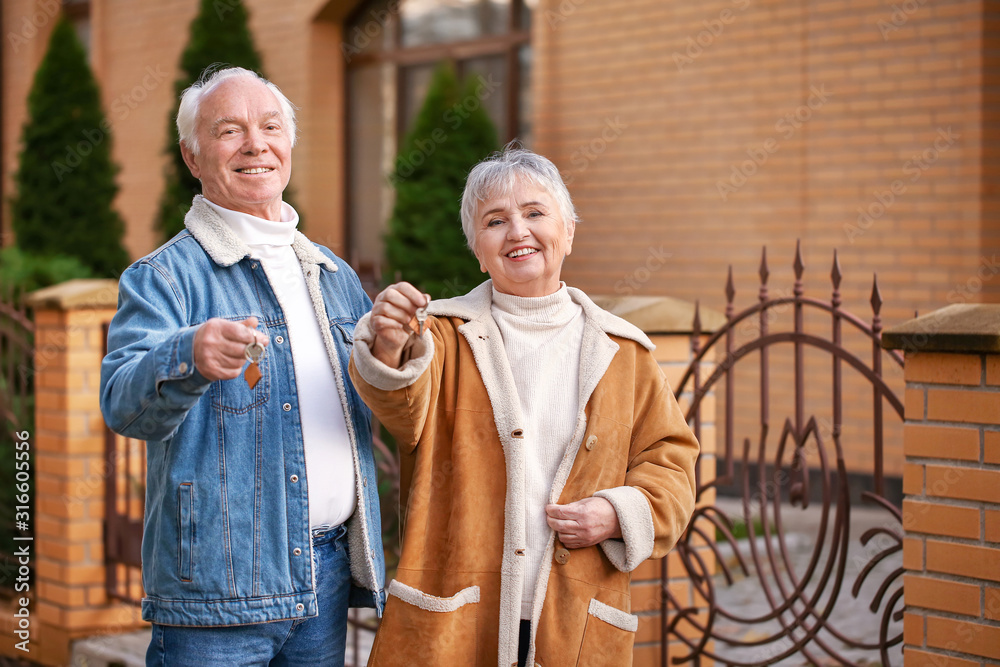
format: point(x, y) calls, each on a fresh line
point(244, 159)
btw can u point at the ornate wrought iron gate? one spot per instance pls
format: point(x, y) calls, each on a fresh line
point(16, 411)
point(788, 612)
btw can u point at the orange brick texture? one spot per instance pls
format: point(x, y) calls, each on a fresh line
point(70, 467)
point(708, 130)
point(951, 513)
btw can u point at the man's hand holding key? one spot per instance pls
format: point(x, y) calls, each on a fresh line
point(220, 347)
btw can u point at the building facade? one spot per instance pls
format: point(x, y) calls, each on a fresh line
point(691, 134)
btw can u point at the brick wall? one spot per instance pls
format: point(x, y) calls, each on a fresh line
point(951, 513)
point(823, 107)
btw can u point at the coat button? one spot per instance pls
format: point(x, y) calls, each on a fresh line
point(294, 478)
point(562, 556)
point(517, 433)
point(591, 441)
point(519, 552)
point(286, 407)
point(297, 551)
point(279, 339)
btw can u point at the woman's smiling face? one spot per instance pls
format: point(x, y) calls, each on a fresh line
point(521, 240)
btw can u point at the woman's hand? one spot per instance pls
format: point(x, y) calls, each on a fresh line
point(584, 523)
point(392, 312)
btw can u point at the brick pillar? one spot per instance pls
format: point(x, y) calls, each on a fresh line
point(70, 470)
point(668, 322)
point(951, 482)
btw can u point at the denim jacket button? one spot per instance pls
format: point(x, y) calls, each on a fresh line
point(294, 478)
point(254, 265)
point(297, 551)
point(299, 607)
point(279, 339)
point(183, 367)
point(286, 407)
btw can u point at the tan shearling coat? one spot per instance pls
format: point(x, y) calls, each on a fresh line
point(454, 412)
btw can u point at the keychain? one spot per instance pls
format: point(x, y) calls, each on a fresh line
point(252, 374)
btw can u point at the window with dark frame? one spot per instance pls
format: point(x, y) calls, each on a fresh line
point(78, 13)
point(391, 48)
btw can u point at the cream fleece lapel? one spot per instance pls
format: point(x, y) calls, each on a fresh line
point(226, 248)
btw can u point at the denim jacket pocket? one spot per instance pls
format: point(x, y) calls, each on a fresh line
point(236, 396)
point(345, 330)
point(185, 529)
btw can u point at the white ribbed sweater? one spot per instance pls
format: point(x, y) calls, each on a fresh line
point(542, 337)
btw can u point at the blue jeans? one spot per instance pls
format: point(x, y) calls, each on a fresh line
point(320, 640)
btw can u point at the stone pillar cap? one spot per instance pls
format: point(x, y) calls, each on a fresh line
point(660, 314)
point(76, 294)
point(973, 328)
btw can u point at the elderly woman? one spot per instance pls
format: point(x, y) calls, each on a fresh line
point(544, 456)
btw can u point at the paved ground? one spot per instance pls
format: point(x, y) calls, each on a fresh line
point(850, 615)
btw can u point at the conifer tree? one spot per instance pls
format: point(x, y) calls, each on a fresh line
point(65, 182)
point(451, 133)
point(219, 36)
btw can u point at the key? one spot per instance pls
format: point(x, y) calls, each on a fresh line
point(252, 374)
point(421, 318)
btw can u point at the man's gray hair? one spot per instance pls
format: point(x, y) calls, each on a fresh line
point(496, 175)
point(210, 79)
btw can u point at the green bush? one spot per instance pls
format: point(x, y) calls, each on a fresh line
point(452, 133)
point(65, 182)
point(22, 272)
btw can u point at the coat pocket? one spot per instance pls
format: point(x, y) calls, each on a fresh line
point(235, 396)
point(185, 529)
point(608, 636)
point(422, 629)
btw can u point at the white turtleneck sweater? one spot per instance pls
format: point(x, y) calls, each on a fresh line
point(542, 337)
point(329, 460)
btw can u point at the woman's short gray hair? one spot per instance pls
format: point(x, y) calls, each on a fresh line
point(496, 175)
point(210, 79)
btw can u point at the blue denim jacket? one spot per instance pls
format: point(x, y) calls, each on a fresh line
point(226, 537)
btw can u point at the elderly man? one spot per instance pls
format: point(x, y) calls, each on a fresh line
point(227, 355)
